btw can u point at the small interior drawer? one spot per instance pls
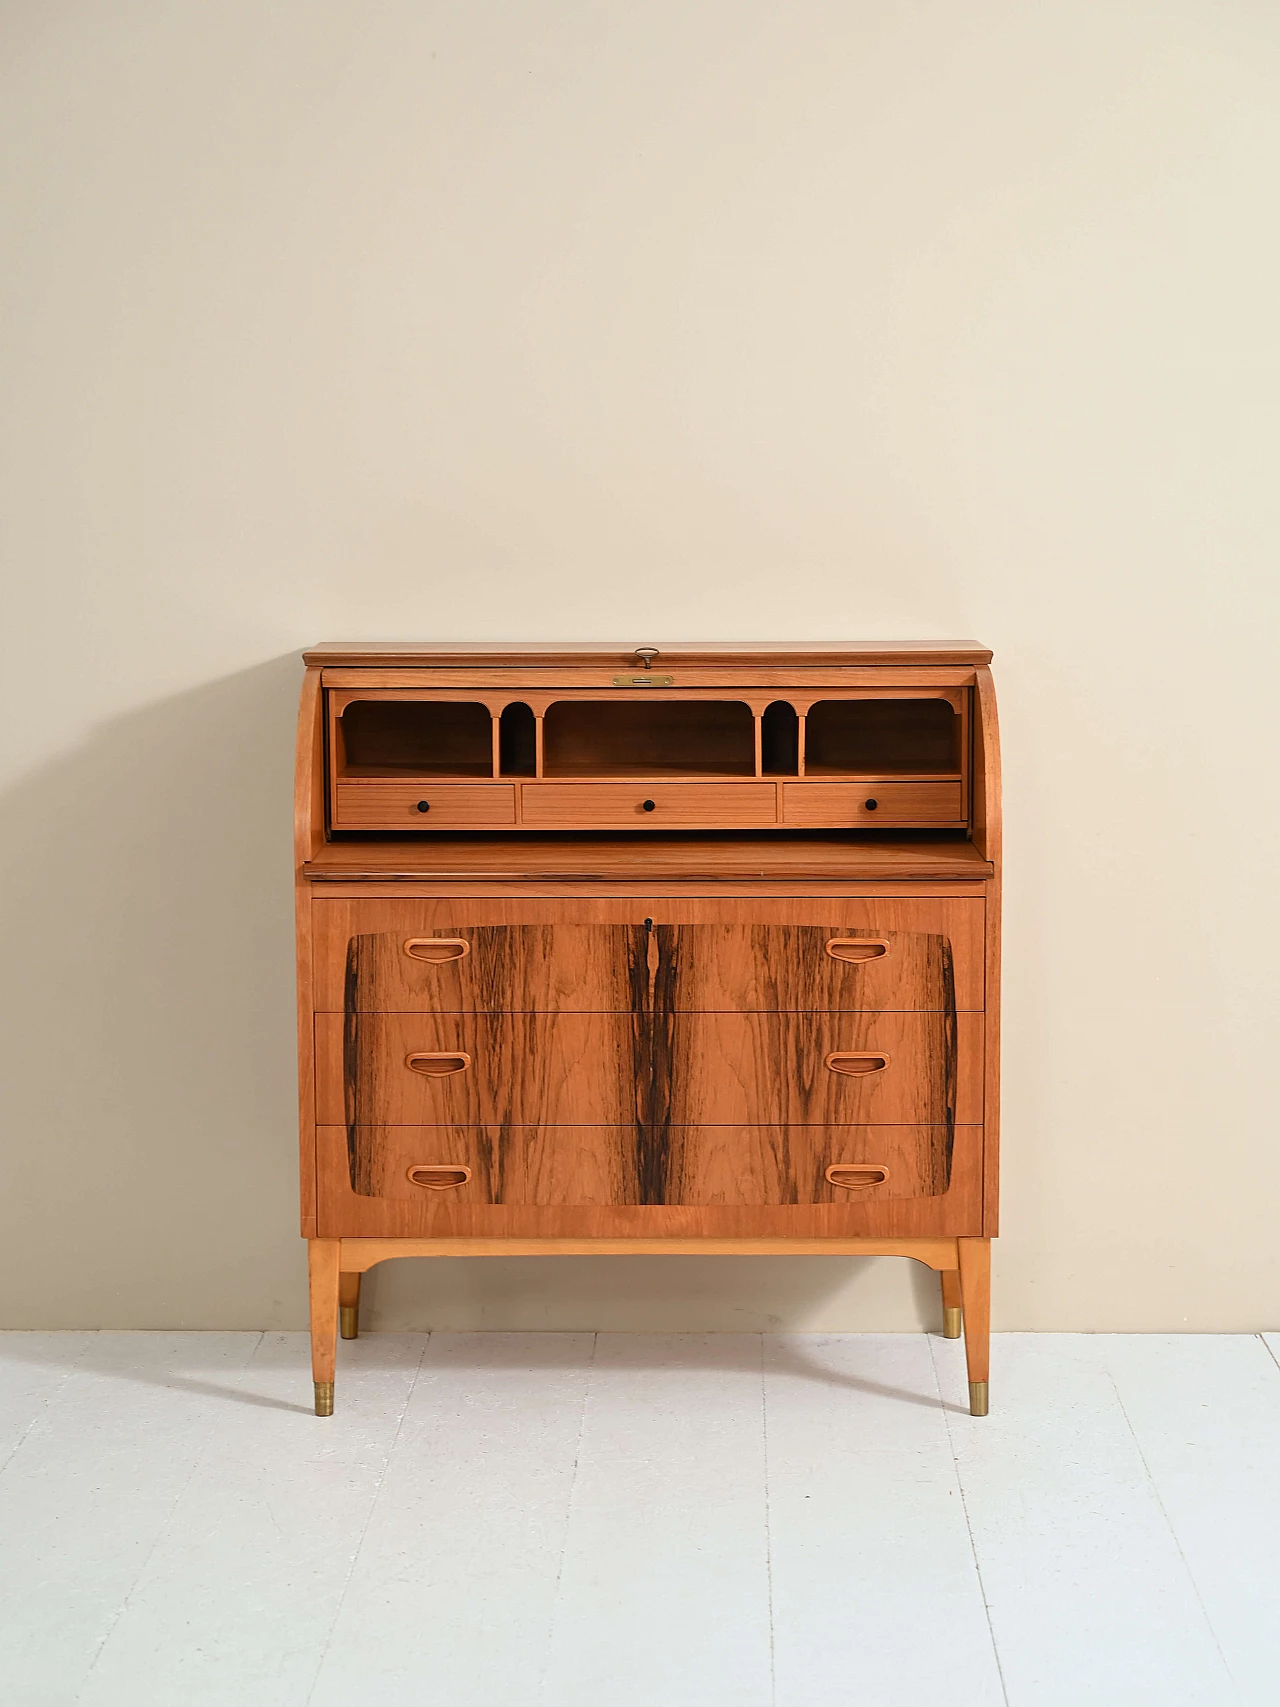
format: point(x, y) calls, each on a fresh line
point(648, 806)
point(369, 803)
point(835, 805)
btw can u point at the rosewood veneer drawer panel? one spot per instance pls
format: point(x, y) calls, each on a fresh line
point(622, 805)
point(461, 968)
point(832, 805)
point(863, 961)
point(786, 1069)
point(766, 1165)
point(474, 1069)
point(866, 955)
point(574, 1165)
point(586, 1166)
point(376, 803)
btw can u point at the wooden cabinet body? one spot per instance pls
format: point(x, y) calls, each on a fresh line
point(637, 1011)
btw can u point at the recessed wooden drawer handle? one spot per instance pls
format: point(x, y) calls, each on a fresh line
point(856, 949)
point(851, 1175)
point(437, 1064)
point(436, 950)
point(438, 1176)
point(856, 1062)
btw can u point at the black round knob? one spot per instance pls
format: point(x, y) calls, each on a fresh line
point(424, 806)
point(870, 805)
point(649, 805)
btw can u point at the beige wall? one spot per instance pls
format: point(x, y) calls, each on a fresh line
point(690, 318)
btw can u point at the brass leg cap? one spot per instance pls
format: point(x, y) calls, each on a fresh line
point(977, 1398)
point(951, 1322)
point(349, 1321)
point(324, 1398)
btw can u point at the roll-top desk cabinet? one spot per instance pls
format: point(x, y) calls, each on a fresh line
point(660, 949)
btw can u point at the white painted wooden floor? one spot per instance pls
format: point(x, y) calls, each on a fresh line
point(572, 1520)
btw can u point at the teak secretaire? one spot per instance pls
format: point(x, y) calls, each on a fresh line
point(657, 949)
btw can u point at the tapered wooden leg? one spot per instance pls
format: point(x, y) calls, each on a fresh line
point(349, 1306)
point(322, 1266)
point(975, 1291)
point(951, 1312)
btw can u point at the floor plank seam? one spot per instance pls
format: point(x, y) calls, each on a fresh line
point(568, 1519)
point(162, 1530)
point(1186, 1565)
point(49, 1402)
point(768, 1530)
point(964, 1507)
point(368, 1519)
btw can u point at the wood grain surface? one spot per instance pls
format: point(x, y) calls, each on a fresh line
point(988, 834)
point(308, 839)
point(736, 967)
point(710, 860)
point(832, 804)
point(576, 1167)
point(509, 968)
point(663, 1051)
point(621, 654)
point(621, 805)
point(548, 1165)
point(749, 1069)
point(560, 1069)
point(377, 803)
point(647, 1020)
point(758, 954)
point(362, 1254)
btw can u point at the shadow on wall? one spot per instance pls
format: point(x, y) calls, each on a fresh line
point(148, 1030)
point(693, 1294)
point(148, 1058)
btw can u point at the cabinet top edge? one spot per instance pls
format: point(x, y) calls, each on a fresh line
point(553, 654)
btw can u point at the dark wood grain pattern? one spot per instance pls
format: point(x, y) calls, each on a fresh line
point(740, 1165)
point(557, 1069)
point(570, 1166)
point(667, 1060)
point(769, 968)
point(755, 1012)
point(747, 1069)
point(541, 1154)
point(532, 968)
point(584, 1166)
point(639, 1045)
point(747, 954)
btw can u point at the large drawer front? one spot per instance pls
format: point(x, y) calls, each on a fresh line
point(648, 806)
point(463, 968)
point(525, 1069)
point(590, 1166)
point(867, 956)
point(842, 967)
point(706, 1069)
point(796, 1069)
